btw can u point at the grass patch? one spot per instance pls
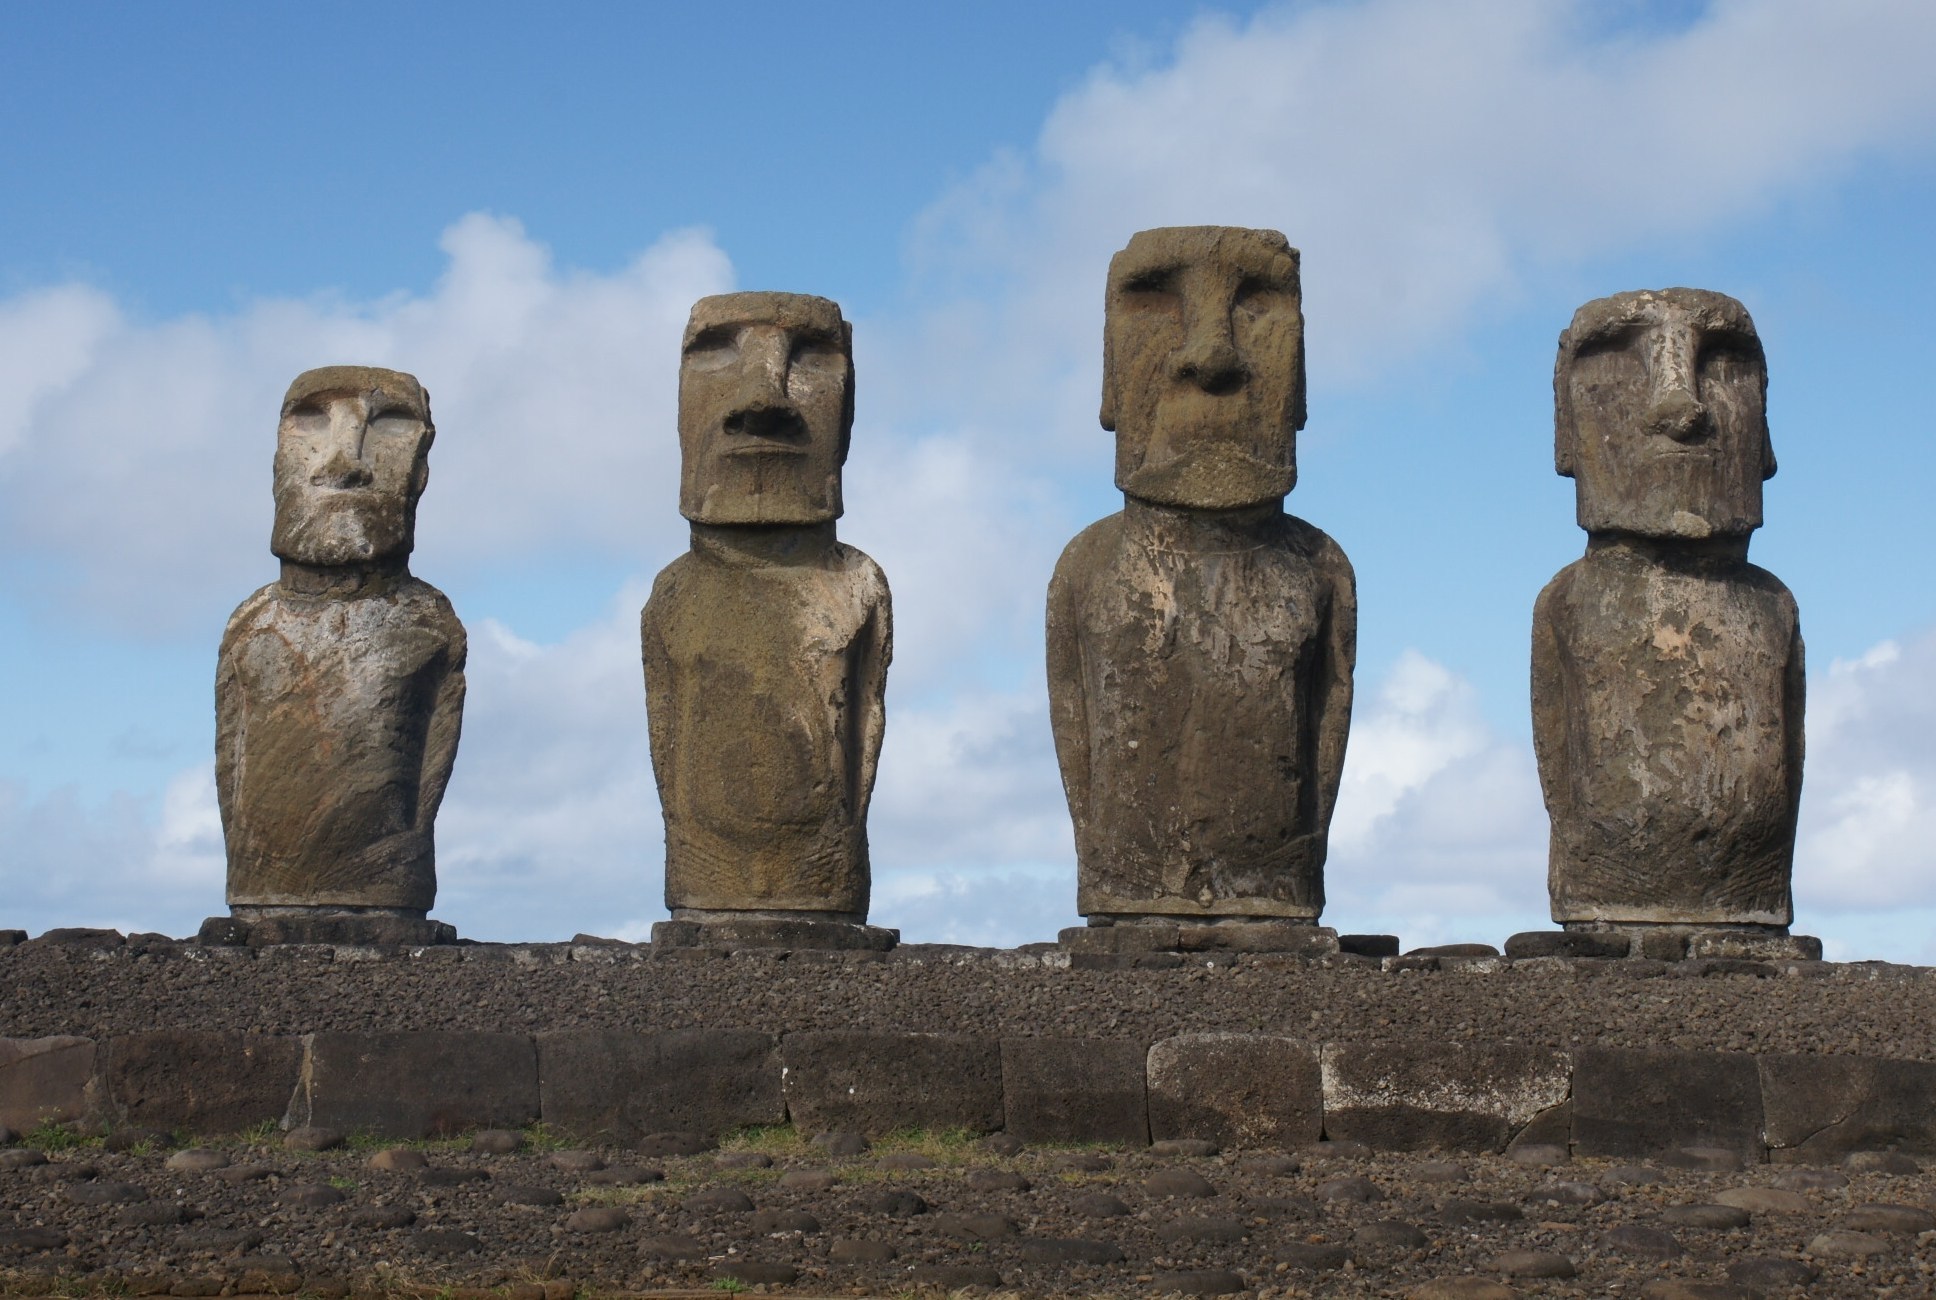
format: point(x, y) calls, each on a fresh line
point(49, 1136)
point(774, 1140)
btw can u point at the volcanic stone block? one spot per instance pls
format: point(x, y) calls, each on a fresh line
point(44, 1080)
point(1201, 641)
point(339, 688)
point(196, 1081)
point(766, 645)
point(417, 1084)
point(1820, 1108)
point(1643, 1101)
point(1235, 1089)
point(1409, 1096)
point(1667, 671)
point(876, 1083)
point(1075, 1090)
point(606, 1085)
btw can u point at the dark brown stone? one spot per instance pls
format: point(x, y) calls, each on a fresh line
point(44, 1080)
point(766, 645)
point(418, 1084)
point(339, 689)
point(617, 1086)
point(1667, 670)
point(876, 1083)
point(1075, 1090)
point(1200, 777)
point(1408, 1096)
point(1820, 1108)
point(1235, 1089)
point(1640, 1102)
point(197, 1081)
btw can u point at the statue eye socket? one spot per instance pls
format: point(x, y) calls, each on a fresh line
point(1254, 297)
point(817, 355)
point(1148, 288)
point(1607, 338)
point(394, 423)
point(713, 349)
point(306, 422)
point(1728, 353)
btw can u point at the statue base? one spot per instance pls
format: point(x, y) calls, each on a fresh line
point(270, 927)
point(1666, 942)
point(727, 930)
point(1126, 937)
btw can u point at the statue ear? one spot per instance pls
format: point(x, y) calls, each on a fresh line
point(1562, 412)
point(1767, 443)
point(1108, 414)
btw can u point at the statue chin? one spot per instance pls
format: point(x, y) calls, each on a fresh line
point(338, 539)
point(1210, 476)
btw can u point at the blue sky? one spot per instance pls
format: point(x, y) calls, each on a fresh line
point(519, 206)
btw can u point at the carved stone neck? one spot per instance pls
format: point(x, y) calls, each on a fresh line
point(341, 582)
point(764, 544)
point(1199, 532)
point(1693, 555)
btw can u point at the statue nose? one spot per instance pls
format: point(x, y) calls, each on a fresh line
point(341, 469)
point(1678, 415)
point(1213, 365)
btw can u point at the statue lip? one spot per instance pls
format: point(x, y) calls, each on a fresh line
point(765, 447)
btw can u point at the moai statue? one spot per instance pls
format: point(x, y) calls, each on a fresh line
point(1201, 642)
point(340, 686)
point(1667, 670)
point(766, 644)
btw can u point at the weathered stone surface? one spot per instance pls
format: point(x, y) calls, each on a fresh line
point(1408, 1096)
point(44, 1080)
point(1667, 670)
point(198, 1081)
point(1568, 943)
point(1201, 642)
point(339, 688)
point(1640, 1102)
point(728, 931)
point(876, 1083)
point(1075, 1090)
point(766, 645)
point(1235, 1089)
point(353, 929)
point(1820, 1108)
point(616, 1086)
point(418, 1084)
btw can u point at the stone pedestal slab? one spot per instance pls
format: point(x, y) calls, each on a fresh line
point(768, 932)
point(346, 929)
point(1228, 936)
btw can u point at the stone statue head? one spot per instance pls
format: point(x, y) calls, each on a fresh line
point(352, 457)
point(1661, 417)
point(766, 406)
point(1203, 366)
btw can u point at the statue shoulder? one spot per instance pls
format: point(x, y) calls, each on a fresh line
point(1086, 551)
point(248, 614)
point(1326, 556)
point(869, 578)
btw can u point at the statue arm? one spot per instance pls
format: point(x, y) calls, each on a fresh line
point(875, 652)
point(446, 724)
point(1068, 711)
point(1794, 701)
point(1550, 749)
point(659, 704)
point(1335, 689)
point(228, 723)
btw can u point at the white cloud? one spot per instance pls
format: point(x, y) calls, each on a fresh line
point(1425, 155)
point(134, 457)
point(1868, 829)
